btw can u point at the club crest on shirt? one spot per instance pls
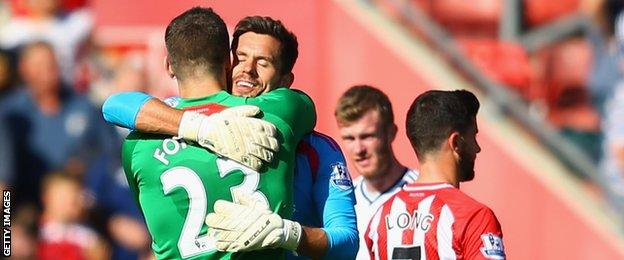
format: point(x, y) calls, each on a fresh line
point(172, 101)
point(492, 246)
point(340, 177)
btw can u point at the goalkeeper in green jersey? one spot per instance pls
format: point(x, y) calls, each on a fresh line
point(177, 183)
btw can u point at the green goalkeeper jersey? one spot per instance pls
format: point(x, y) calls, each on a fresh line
point(177, 183)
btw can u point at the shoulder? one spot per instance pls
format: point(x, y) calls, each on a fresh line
point(321, 143)
point(288, 96)
point(16, 100)
point(79, 15)
point(281, 93)
point(139, 136)
point(292, 93)
point(323, 151)
point(15, 32)
point(81, 103)
point(289, 103)
point(358, 181)
point(138, 139)
point(461, 203)
point(17, 96)
point(69, 96)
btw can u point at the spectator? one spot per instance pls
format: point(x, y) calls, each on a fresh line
point(62, 235)
point(367, 129)
point(113, 212)
point(612, 163)
point(45, 21)
point(7, 73)
point(56, 128)
point(106, 181)
point(605, 69)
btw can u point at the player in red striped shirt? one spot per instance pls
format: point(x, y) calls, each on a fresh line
point(432, 218)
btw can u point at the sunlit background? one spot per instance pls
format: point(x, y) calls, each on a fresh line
point(548, 75)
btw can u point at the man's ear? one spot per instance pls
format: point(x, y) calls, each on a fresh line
point(454, 142)
point(168, 67)
point(287, 80)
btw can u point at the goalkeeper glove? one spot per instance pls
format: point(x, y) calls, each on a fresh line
point(250, 225)
point(233, 133)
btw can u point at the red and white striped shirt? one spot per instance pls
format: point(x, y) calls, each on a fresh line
point(434, 221)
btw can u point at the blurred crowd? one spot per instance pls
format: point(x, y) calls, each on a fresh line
point(62, 161)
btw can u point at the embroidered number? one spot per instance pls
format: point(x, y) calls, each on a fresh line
point(190, 243)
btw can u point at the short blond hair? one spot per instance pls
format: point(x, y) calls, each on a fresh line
point(360, 99)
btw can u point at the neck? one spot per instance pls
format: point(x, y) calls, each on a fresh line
point(48, 102)
point(197, 87)
point(390, 176)
point(435, 169)
point(52, 217)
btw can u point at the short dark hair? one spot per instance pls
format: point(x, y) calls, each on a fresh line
point(435, 114)
point(197, 38)
point(360, 99)
point(274, 28)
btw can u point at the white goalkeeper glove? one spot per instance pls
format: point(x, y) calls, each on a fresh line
point(233, 133)
point(249, 226)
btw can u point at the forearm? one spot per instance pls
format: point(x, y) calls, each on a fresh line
point(339, 224)
point(313, 243)
point(157, 117)
point(121, 109)
point(140, 111)
point(316, 244)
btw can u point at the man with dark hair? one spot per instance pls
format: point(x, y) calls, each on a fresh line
point(432, 218)
point(366, 122)
point(185, 52)
point(176, 184)
point(283, 55)
point(265, 52)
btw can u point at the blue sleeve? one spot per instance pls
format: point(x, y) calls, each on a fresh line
point(121, 109)
point(336, 205)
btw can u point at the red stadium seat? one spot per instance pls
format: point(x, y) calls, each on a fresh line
point(568, 67)
point(562, 72)
point(538, 12)
point(468, 18)
point(505, 62)
point(20, 7)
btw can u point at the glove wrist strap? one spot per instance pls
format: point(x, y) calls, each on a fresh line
point(292, 235)
point(190, 125)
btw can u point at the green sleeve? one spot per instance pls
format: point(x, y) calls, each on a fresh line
point(126, 160)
